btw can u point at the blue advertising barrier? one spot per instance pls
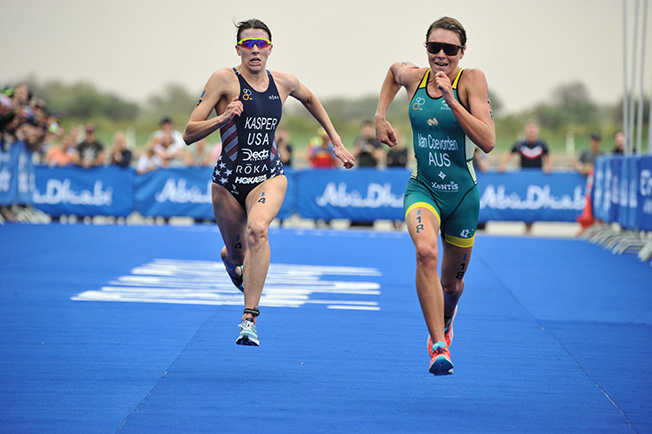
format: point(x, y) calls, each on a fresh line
point(174, 192)
point(186, 192)
point(644, 193)
point(16, 174)
point(84, 192)
point(357, 195)
point(601, 197)
point(622, 191)
point(369, 194)
point(530, 196)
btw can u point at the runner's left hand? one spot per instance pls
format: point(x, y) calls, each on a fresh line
point(344, 155)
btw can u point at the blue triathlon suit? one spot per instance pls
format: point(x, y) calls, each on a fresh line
point(249, 155)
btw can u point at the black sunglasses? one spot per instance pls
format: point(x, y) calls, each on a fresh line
point(449, 49)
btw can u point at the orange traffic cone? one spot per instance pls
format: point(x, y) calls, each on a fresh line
point(586, 219)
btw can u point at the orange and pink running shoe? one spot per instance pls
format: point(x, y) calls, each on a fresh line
point(441, 359)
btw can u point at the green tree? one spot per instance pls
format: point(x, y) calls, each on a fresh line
point(117, 109)
point(549, 117)
point(574, 104)
point(83, 101)
point(615, 112)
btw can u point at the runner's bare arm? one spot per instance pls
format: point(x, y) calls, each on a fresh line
point(316, 109)
point(217, 89)
point(399, 74)
point(477, 122)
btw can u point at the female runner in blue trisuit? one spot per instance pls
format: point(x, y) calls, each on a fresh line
point(248, 181)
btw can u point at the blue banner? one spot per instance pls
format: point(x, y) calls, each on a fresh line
point(16, 174)
point(531, 195)
point(644, 196)
point(626, 179)
point(616, 177)
point(185, 192)
point(174, 192)
point(632, 202)
point(600, 197)
point(369, 194)
point(622, 191)
point(357, 195)
point(8, 186)
point(290, 203)
point(362, 195)
point(105, 191)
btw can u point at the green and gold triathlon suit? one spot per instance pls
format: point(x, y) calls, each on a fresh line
point(443, 180)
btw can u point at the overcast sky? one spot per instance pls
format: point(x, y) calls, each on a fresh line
point(335, 47)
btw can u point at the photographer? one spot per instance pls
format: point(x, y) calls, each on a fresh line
point(368, 151)
point(90, 151)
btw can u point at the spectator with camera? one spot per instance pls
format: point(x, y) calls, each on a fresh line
point(120, 154)
point(90, 151)
point(367, 150)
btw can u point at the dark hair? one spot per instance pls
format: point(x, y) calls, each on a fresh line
point(448, 23)
point(252, 24)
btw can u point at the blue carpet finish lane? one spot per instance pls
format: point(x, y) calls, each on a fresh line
point(597, 305)
point(78, 367)
point(529, 356)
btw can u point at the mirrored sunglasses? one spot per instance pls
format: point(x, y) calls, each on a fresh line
point(250, 42)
